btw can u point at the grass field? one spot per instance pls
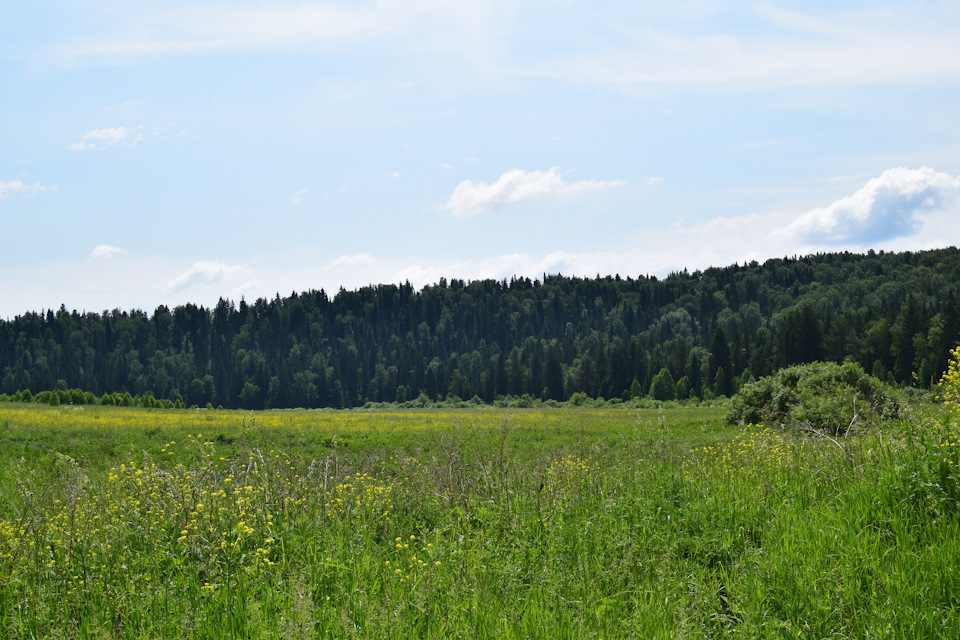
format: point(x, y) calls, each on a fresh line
point(126, 523)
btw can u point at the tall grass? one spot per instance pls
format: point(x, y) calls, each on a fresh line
point(556, 524)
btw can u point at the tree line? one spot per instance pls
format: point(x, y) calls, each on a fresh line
point(689, 335)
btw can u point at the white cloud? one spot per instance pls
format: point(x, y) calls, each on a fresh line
point(105, 252)
point(513, 187)
point(465, 27)
point(202, 28)
point(634, 44)
point(109, 137)
point(655, 180)
point(298, 196)
point(902, 209)
point(845, 47)
point(355, 261)
point(202, 272)
point(97, 284)
point(17, 186)
point(886, 207)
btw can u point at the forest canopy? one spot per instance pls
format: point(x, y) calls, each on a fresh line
point(689, 335)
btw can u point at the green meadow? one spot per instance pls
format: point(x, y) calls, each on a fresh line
point(475, 523)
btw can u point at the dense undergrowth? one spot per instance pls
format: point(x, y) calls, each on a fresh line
point(821, 397)
point(126, 523)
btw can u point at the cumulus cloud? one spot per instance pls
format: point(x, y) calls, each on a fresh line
point(17, 186)
point(899, 209)
point(515, 186)
point(886, 207)
point(109, 137)
point(105, 252)
point(202, 272)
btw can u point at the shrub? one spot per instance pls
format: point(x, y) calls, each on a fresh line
point(526, 401)
point(950, 384)
point(822, 396)
point(931, 476)
point(423, 400)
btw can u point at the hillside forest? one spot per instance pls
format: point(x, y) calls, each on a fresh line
point(689, 335)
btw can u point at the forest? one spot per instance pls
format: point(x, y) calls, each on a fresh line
point(689, 335)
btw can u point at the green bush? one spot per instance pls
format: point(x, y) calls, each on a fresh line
point(663, 386)
point(931, 474)
point(822, 396)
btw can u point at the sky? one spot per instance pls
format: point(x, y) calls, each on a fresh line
point(183, 151)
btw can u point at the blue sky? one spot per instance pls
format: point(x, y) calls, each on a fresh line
point(169, 152)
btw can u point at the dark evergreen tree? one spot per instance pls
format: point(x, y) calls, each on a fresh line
point(721, 364)
point(553, 374)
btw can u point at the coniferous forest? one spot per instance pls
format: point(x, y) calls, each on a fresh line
point(689, 335)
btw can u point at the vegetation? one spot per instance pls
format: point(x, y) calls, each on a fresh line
point(537, 508)
point(821, 397)
point(120, 522)
point(705, 333)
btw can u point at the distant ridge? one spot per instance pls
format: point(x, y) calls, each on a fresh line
point(703, 333)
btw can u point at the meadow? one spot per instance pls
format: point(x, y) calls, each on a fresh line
point(481, 523)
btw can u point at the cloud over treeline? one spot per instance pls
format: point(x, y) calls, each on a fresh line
point(515, 186)
point(201, 272)
point(886, 207)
